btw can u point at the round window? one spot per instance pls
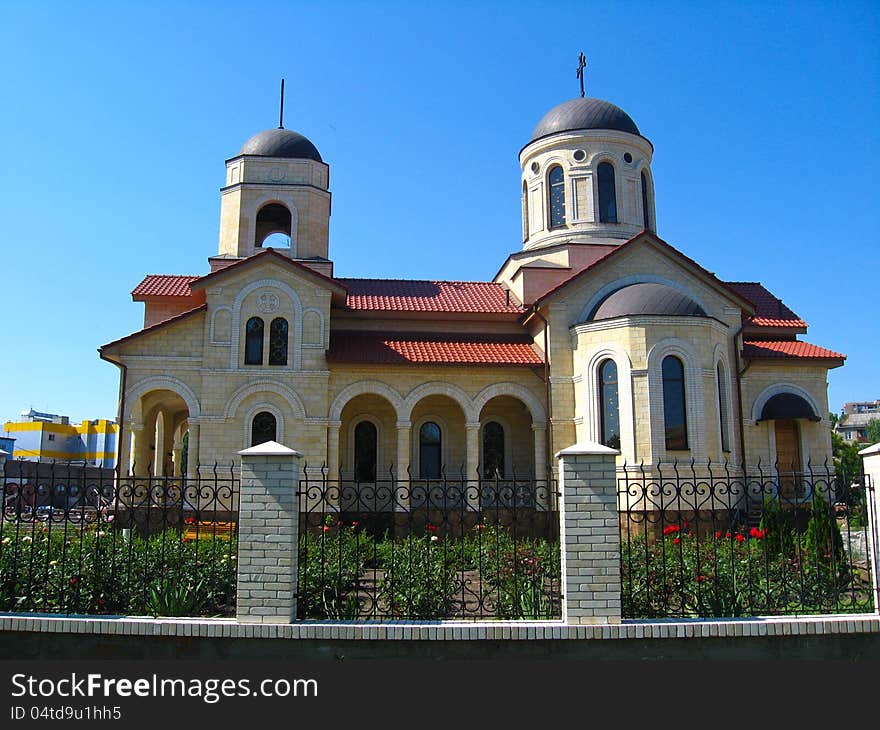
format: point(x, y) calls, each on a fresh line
point(627, 157)
point(580, 155)
point(535, 167)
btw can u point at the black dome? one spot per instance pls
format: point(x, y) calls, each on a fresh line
point(281, 143)
point(647, 299)
point(584, 113)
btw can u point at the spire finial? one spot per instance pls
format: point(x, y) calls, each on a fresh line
point(582, 64)
point(281, 113)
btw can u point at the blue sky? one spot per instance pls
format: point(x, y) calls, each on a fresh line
point(117, 118)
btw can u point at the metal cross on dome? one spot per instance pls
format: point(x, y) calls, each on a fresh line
point(582, 64)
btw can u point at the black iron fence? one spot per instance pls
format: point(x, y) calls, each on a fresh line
point(720, 542)
point(444, 548)
point(80, 540)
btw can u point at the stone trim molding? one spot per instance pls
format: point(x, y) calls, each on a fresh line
point(786, 387)
point(296, 323)
point(514, 390)
point(165, 382)
point(265, 385)
point(365, 387)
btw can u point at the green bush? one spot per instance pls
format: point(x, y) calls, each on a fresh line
point(103, 571)
point(768, 570)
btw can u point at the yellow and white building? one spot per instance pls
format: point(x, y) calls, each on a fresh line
point(50, 437)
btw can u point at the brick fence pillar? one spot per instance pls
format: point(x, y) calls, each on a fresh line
point(589, 534)
point(268, 534)
point(871, 463)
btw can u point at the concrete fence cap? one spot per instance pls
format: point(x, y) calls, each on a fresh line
point(869, 450)
point(269, 448)
point(583, 448)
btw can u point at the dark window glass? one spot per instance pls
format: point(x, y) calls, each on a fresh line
point(609, 405)
point(263, 428)
point(646, 218)
point(429, 451)
point(253, 342)
point(556, 180)
point(493, 450)
point(278, 341)
point(722, 407)
point(365, 443)
point(607, 194)
point(674, 415)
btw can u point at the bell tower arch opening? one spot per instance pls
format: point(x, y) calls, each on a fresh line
point(273, 225)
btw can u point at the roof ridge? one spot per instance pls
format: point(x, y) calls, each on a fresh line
point(418, 281)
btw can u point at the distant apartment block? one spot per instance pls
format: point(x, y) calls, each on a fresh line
point(48, 436)
point(854, 419)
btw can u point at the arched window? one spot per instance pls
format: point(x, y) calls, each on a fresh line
point(253, 342)
point(609, 404)
point(278, 341)
point(607, 193)
point(493, 450)
point(556, 181)
point(525, 207)
point(722, 406)
point(430, 459)
point(263, 428)
point(365, 451)
point(674, 413)
point(646, 216)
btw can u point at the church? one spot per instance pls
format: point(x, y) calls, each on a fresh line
point(594, 329)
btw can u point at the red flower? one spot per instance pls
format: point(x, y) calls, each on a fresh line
point(326, 528)
point(718, 535)
point(690, 534)
point(684, 524)
point(740, 538)
point(74, 581)
point(756, 533)
point(187, 539)
point(355, 523)
point(479, 526)
point(339, 523)
point(701, 578)
point(431, 528)
point(728, 534)
point(670, 529)
point(676, 541)
point(190, 520)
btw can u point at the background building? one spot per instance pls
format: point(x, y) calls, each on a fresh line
point(854, 419)
point(49, 436)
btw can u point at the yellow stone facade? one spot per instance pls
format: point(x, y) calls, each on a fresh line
point(187, 373)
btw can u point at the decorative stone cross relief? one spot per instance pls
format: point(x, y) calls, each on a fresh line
point(267, 302)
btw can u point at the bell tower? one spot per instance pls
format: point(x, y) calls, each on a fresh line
point(277, 183)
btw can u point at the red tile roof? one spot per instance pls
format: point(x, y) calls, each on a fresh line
point(403, 295)
point(769, 310)
point(164, 285)
point(788, 349)
point(405, 348)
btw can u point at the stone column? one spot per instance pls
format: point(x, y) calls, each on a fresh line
point(539, 435)
point(192, 453)
point(871, 464)
point(472, 464)
point(333, 451)
point(268, 534)
point(589, 534)
point(403, 441)
point(139, 453)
